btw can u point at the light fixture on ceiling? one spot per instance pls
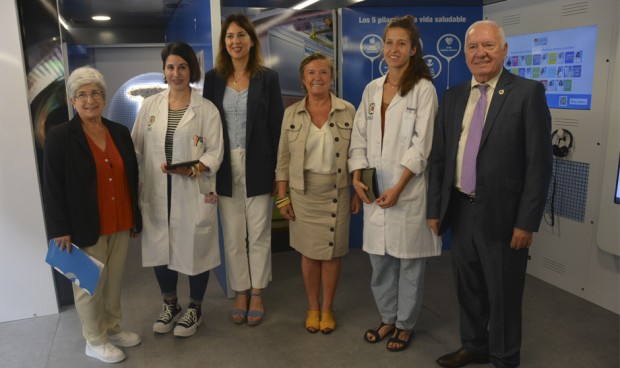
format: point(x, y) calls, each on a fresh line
point(307, 3)
point(304, 4)
point(101, 18)
point(63, 22)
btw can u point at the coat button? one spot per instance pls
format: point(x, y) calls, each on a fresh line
point(337, 154)
point(332, 229)
point(292, 126)
point(333, 215)
point(331, 125)
point(339, 171)
point(337, 139)
point(335, 200)
point(331, 244)
point(346, 124)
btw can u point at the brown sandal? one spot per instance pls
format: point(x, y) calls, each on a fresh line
point(376, 333)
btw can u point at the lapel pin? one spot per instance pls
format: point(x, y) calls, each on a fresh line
point(501, 91)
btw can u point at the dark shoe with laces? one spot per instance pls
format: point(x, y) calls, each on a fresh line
point(170, 311)
point(188, 323)
point(462, 358)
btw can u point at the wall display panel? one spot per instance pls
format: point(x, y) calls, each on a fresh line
point(442, 32)
point(562, 60)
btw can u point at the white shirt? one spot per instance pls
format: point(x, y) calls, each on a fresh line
point(469, 113)
point(320, 151)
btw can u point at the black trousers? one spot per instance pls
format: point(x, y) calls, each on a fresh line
point(490, 277)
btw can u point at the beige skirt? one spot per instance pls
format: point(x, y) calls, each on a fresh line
point(322, 213)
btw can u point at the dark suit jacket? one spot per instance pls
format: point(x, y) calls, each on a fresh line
point(264, 118)
point(514, 160)
point(70, 181)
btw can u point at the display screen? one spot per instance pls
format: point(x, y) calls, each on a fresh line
point(562, 60)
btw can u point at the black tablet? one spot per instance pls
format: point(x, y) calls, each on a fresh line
point(181, 164)
point(369, 178)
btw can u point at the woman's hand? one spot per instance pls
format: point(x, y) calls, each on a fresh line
point(356, 203)
point(287, 212)
point(183, 171)
point(433, 224)
point(360, 189)
point(63, 242)
point(389, 198)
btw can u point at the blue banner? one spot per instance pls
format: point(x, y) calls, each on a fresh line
point(442, 32)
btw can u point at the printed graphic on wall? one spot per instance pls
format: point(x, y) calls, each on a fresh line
point(442, 32)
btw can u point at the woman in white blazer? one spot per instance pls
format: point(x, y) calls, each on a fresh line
point(392, 132)
point(180, 223)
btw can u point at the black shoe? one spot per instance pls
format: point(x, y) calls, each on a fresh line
point(461, 358)
point(169, 313)
point(189, 321)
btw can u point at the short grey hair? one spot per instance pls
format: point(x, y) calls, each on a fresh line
point(502, 34)
point(84, 76)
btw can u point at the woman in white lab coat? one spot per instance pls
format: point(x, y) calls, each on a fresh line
point(392, 132)
point(180, 223)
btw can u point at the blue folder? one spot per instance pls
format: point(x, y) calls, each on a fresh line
point(82, 269)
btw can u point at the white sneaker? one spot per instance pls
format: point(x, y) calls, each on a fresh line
point(107, 353)
point(125, 339)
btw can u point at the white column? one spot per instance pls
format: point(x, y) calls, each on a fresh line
point(26, 286)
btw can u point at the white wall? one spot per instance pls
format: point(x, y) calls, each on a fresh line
point(26, 285)
point(568, 255)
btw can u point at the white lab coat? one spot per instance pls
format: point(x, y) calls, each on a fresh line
point(400, 231)
point(189, 243)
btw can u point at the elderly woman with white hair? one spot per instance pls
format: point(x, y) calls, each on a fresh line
point(90, 194)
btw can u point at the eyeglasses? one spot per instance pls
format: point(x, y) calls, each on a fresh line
point(83, 96)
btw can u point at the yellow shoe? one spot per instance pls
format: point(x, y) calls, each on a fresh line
point(312, 322)
point(327, 324)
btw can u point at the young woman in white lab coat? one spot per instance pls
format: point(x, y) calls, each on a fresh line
point(392, 132)
point(180, 223)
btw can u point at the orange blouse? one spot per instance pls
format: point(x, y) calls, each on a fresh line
point(113, 196)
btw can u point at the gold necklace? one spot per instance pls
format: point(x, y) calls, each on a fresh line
point(236, 81)
point(387, 80)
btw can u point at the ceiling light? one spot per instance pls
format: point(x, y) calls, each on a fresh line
point(100, 18)
point(63, 22)
point(304, 4)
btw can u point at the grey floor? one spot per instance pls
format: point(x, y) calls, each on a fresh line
point(560, 330)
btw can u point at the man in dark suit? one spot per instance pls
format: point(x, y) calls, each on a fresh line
point(488, 180)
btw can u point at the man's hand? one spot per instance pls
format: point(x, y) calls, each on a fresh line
point(521, 239)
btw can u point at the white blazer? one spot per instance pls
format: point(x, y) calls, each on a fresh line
point(188, 242)
point(400, 231)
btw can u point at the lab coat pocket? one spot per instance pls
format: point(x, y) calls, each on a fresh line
point(292, 131)
point(345, 128)
point(206, 215)
point(407, 125)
